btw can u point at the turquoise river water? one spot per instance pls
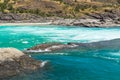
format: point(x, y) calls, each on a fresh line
point(70, 65)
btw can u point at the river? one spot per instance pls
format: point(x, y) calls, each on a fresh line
point(66, 65)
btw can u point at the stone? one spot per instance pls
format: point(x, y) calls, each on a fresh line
point(14, 62)
point(49, 47)
point(71, 47)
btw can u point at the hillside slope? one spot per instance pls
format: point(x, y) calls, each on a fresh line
point(59, 8)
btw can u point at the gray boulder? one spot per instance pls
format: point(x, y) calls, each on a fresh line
point(13, 62)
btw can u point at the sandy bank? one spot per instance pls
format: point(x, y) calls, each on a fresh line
point(23, 24)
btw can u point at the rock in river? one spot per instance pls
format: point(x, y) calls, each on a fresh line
point(49, 47)
point(13, 62)
point(69, 47)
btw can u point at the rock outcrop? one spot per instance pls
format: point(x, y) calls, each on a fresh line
point(21, 18)
point(109, 18)
point(13, 62)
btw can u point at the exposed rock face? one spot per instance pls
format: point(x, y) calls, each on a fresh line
point(88, 22)
point(109, 18)
point(21, 18)
point(13, 62)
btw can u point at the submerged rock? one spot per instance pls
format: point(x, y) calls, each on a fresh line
point(101, 45)
point(48, 47)
point(13, 62)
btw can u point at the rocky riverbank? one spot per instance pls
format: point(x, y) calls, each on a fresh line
point(87, 22)
point(109, 18)
point(13, 62)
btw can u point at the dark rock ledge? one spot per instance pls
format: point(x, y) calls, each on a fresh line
point(13, 62)
point(57, 47)
point(50, 47)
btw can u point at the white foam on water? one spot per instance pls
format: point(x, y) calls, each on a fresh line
point(61, 53)
point(117, 54)
point(56, 53)
point(108, 58)
point(93, 36)
point(46, 50)
point(63, 34)
point(25, 42)
point(113, 59)
point(43, 63)
point(13, 33)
